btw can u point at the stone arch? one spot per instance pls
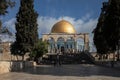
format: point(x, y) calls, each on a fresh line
point(85, 37)
point(80, 44)
point(50, 39)
point(80, 37)
point(70, 43)
point(60, 43)
point(61, 40)
point(51, 46)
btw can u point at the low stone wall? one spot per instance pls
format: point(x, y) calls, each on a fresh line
point(8, 66)
point(4, 67)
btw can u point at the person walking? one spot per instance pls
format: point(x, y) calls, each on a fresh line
point(58, 60)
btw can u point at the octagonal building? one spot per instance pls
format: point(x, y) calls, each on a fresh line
point(63, 38)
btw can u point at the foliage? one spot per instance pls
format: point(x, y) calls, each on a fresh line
point(5, 30)
point(14, 48)
point(4, 4)
point(26, 27)
point(99, 39)
point(40, 49)
point(112, 25)
point(107, 32)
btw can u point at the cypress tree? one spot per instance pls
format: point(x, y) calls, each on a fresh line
point(112, 25)
point(99, 39)
point(26, 27)
point(110, 28)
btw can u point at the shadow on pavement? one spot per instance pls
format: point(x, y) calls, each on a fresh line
point(80, 70)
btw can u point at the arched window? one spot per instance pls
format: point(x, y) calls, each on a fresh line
point(60, 42)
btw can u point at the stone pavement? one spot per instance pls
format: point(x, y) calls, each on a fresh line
point(64, 72)
point(109, 64)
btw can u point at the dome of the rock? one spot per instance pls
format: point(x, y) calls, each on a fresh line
point(63, 27)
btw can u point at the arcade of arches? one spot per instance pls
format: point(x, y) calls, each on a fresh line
point(64, 39)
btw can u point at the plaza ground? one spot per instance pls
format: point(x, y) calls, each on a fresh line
point(64, 72)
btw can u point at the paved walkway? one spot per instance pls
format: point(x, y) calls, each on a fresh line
point(64, 72)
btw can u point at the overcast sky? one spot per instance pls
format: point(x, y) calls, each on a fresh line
point(83, 14)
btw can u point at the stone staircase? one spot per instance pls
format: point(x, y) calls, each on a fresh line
point(86, 57)
point(73, 58)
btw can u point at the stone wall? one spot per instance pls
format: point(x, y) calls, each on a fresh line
point(5, 50)
point(9, 66)
point(4, 67)
point(5, 53)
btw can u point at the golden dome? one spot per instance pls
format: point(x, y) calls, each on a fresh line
point(63, 27)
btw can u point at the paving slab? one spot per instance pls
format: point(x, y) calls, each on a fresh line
point(64, 72)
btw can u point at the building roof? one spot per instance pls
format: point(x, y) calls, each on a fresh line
point(63, 26)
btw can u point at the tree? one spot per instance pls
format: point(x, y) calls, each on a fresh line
point(112, 25)
point(4, 4)
point(39, 51)
point(99, 39)
point(110, 28)
point(26, 27)
point(14, 49)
